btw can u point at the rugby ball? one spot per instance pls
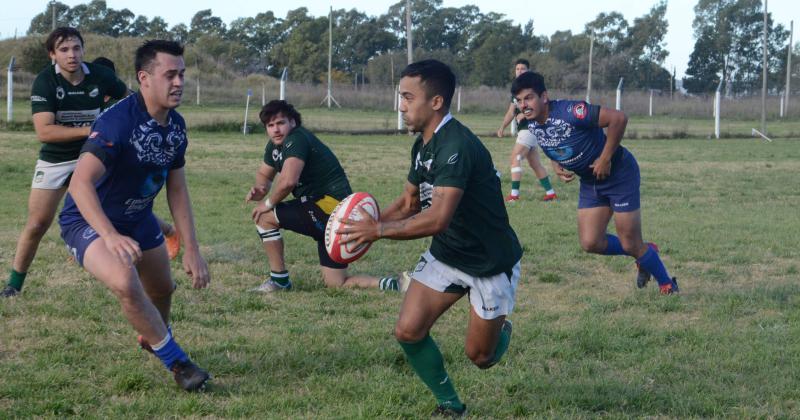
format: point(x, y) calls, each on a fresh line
point(346, 210)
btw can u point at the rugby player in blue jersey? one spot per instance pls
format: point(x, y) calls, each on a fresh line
point(136, 147)
point(571, 134)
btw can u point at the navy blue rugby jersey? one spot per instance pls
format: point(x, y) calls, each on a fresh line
point(138, 153)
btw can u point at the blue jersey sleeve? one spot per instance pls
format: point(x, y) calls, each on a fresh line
point(103, 142)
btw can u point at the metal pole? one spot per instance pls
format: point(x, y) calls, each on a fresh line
point(764, 77)
point(246, 110)
point(263, 94)
point(589, 83)
point(409, 41)
point(399, 114)
point(651, 102)
point(619, 94)
point(788, 70)
point(717, 108)
point(458, 103)
point(197, 67)
point(10, 91)
point(330, 54)
point(53, 8)
point(283, 84)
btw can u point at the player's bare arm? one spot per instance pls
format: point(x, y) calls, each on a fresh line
point(82, 189)
point(404, 206)
point(429, 222)
point(47, 131)
point(290, 176)
point(614, 122)
point(507, 119)
point(264, 177)
point(181, 208)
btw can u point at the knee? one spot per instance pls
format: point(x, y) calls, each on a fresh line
point(334, 281)
point(407, 334)
point(128, 293)
point(162, 291)
point(480, 357)
point(36, 227)
point(592, 245)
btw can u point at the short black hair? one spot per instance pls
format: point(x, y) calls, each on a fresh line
point(436, 77)
point(278, 106)
point(528, 80)
point(59, 35)
point(147, 53)
point(522, 61)
point(105, 62)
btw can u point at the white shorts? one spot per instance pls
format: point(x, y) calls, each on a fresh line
point(52, 176)
point(526, 138)
point(491, 296)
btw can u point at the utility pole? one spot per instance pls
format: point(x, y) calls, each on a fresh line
point(53, 11)
point(764, 77)
point(788, 71)
point(589, 83)
point(329, 97)
point(409, 41)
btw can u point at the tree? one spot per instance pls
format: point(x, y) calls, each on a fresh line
point(205, 23)
point(43, 22)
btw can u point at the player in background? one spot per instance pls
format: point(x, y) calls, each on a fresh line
point(453, 194)
point(134, 149)
point(571, 134)
point(525, 147)
point(312, 174)
point(171, 237)
point(66, 97)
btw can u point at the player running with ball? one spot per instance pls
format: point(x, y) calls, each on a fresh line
point(571, 134)
point(452, 193)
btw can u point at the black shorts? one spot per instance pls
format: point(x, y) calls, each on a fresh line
point(304, 216)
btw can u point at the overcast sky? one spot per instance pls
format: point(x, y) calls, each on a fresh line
point(546, 18)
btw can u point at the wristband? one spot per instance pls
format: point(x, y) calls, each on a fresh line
point(269, 204)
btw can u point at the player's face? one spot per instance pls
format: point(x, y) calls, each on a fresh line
point(533, 106)
point(417, 108)
point(68, 54)
point(164, 83)
point(519, 69)
point(279, 127)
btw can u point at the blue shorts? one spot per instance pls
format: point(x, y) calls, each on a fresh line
point(620, 191)
point(79, 235)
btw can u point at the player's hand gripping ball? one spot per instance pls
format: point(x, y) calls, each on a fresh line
point(346, 210)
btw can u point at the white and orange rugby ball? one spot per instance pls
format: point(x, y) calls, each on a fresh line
point(346, 210)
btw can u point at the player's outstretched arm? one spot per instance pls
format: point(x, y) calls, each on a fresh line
point(435, 219)
point(506, 119)
point(404, 206)
point(47, 131)
point(82, 188)
point(614, 122)
point(290, 176)
point(264, 177)
point(181, 208)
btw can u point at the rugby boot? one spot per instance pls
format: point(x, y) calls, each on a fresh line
point(9, 291)
point(173, 243)
point(270, 286)
point(549, 197)
point(449, 412)
point(189, 376)
point(670, 288)
point(512, 198)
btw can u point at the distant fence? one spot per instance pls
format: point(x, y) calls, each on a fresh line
point(473, 99)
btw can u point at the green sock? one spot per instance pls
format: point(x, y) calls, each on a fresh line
point(515, 185)
point(388, 283)
point(16, 279)
point(426, 359)
point(280, 277)
point(502, 346)
point(546, 183)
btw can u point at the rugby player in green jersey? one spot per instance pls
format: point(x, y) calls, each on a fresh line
point(66, 97)
point(452, 193)
point(312, 174)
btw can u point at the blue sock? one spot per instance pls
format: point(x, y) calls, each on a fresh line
point(169, 351)
point(651, 262)
point(614, 246)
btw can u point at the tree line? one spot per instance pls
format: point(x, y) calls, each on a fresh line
point(481, 47)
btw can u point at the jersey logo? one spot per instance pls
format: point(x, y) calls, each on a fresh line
point(37, 98)
point(151, 147)
point(288, 145)
point(425, 164)
point(452, 159)
point(60, 92)
point(94, 93)
point(579, 111)
point(94, 134)
point(276, 155)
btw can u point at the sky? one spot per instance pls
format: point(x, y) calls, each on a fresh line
point(546, 18)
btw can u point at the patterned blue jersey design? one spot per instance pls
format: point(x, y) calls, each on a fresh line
point(572, 137)
point(138, 153)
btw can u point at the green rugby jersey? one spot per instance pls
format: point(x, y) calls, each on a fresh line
point(479, 240)
point(73, 105)
point(322, 174)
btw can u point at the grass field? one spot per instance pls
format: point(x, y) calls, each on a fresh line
point(586, 342)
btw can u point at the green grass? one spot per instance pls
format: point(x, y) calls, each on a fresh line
point(586, 342)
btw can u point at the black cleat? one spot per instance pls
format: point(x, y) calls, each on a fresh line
point(449, 412)
point(9, 291)
point(189, 376)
